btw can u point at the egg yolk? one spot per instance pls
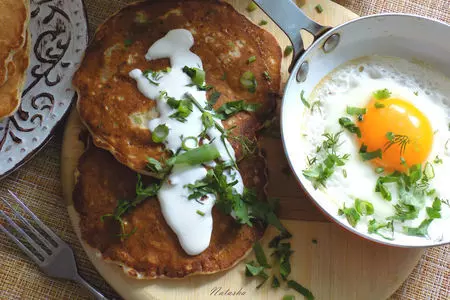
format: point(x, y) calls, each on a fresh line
point(399, 129)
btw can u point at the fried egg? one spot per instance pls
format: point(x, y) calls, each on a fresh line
point(406, 121)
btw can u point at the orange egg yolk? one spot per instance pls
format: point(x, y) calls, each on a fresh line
point(399, 129)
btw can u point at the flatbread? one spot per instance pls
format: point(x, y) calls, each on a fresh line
point(153, 251)
point(117, 114)
point(11, 91)
point(13, 32)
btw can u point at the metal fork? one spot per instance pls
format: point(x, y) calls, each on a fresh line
point(56, 259)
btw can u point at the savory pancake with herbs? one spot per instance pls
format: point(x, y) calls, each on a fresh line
point(146, 246)
point(241, 62)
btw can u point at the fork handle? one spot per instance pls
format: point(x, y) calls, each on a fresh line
point(91, 289)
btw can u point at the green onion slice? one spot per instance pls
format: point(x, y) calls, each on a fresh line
point(197, 75)
point(185, 143)
point(202, 154)
point(248, 81)
point(160, 133)
point(364, 208)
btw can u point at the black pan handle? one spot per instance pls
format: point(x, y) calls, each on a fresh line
point(291, 19)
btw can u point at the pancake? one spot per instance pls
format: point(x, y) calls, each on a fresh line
point(153, 250)
point(117, 114)
point(13, 33)
point(11, 91)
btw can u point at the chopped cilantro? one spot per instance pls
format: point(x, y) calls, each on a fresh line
point(355, 111)
point(382, 94)
point(231, 108)
point(350, 126)
point(422, 230)
point(371, 155)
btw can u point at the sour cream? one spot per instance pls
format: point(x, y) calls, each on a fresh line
point(191, 220)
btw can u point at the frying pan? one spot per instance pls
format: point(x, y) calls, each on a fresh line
point(409, 37)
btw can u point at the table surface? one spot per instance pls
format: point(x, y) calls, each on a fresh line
point(38, 184)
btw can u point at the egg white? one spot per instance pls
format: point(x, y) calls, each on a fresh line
point(352, 84)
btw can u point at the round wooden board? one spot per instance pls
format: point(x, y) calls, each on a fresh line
point(338, 266)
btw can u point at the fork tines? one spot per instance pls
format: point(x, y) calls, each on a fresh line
point(39, 246)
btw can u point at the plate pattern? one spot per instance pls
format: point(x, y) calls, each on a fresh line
point(59, 37)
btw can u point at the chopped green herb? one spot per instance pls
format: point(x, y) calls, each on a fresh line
point(350, 126)
point(128, 42)
point(288, 50)
point(379, 105)
point(283, 253)
point(382, 94)
point(355, 111)
point(266, 76)
point(371, 155)
point(251, 59)
point(262, 23)
point(438, 160)
point(301, 289)
point(204, 153)
point(154, 165)
point(213, 99)
point(277, 239)
point(390, 136)
point(416, 93)
point(183, 108)
point(197, 76)
point(379, 170)
point(351, 214)
point(200, 213)
point(316, 104)
point(251, 6)
point(253, 270)
point(396, 139)
point(319, 8)
point(275, 282)
point(364, 208)
point(288, 297)
point(422, 230)
point(304, 101)
point(207, 120)
point(385, 230)
point(344, 172)
point(260, 255)
point(185, 141)
point(125, 206)
point(434, 212)
point(248, 81)
point(231, 108)
point(428, 171)
point(160, 133)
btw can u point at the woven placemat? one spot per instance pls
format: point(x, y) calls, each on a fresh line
point(38, 184)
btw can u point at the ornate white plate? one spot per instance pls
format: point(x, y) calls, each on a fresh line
point(59, 37)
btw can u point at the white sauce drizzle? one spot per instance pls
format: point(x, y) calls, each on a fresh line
point(192, 229)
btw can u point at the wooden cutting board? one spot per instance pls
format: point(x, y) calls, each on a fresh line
point(331, 262)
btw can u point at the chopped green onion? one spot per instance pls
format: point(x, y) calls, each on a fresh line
point(350, 126)
point(275, 282)
point(202, 154)
point(354, 111)
point(160, 133)
point(251, 6)
point(185, 142)
point(364, 208)
point(262, 23)
point(379, 105)
point(200, 213)
point(428, 171)
point(248, 81)
point(251, 59)
point(351, 214)
point(260, 255)
point(379, 170)
point(213, 98)
point(371, 155)
point(197, 75)
point(267, 76)
point(416, 93)
point(319, 8)
point(154, 165)
point(438, 160)
point(382, 94)
point(305, 102)
point(288, 297)
point(288, 50)
point(301, 289)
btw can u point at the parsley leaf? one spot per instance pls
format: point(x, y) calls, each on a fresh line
point(371, 155)
point(351, 214)
point(355, 111)
point(422, 230)
point(382, 94)
point(385, 230)
point(350, 126)
point(434, 212)
point(231, 108)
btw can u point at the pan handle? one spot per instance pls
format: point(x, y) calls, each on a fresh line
point(290, 18)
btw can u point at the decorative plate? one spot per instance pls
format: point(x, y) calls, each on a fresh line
point(59, 37)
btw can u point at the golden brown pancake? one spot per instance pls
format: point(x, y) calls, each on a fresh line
point(11, 91)
point(13, 27)
point(153, 251)
point(116, 113)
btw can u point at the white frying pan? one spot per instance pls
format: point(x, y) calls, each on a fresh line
point(398, 35)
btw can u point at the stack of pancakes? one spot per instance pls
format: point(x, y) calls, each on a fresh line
point(117, 114)
point(14, 53)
